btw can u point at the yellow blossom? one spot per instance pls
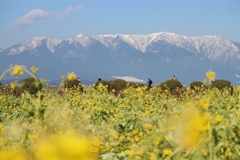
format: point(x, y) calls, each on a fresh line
point(17, 70)
point(12, 85)
point(72, 76)
point(34, 69)
point(219, 118)
point(157, 141)
point(129, 153)
point(204, 152)
point(191, 127)
point(155, 150)
point(135, 131)
point(115, 135)
point(32, 137)
point(211, 75)
point(67, 146)
point(167, 152)
point(228, 153)
point(148, 126)
point(12, 154)
point(168, 138)
point(3, 140)
point(1, 128)
point(204, 103)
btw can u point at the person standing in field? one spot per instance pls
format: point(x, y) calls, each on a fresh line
point(174, 78)
point(149, 82)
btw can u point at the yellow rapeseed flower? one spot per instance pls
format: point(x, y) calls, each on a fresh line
point(157, 141)
point(228, 153)
point(12, 85)
point(191, 127)
point(211, 75)
point(12, 154)
point(3, 140)
point(17, 70)
point(168, 138)
point(204, 103)
point(219, 118)
point(32, 137)
point(34, 69)
point(204, 152)
point(72, 76)
point(167, 152)
point(1, 128)
point(67, 146)
point(115, 135)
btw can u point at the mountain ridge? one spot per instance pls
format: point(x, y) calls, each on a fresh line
point(128, 55)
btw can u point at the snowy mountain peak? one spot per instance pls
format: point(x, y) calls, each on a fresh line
point(213, 47)
point(29, 44)
point(82, 39)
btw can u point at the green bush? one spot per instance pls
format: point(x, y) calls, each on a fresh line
point(197, 84)
point(222, 84)
point(31, 85)
point(0, 84)
point(136, 85)
point(73, 84)
point(104, 83)
point(118, 84)
point(171, 85)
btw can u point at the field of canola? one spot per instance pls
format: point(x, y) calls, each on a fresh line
point(141, 125)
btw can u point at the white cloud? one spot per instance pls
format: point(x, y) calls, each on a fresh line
point(39, 14)
point(67, 12)
point(29, 18)
point(130, 79)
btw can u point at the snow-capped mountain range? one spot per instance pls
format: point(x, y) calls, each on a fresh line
point(142, 56)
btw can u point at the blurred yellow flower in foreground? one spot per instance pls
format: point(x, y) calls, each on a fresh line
point(12, 154)
point(67, 146)
point(17, 70)
point(211, 75)
point(34, 69)
point(72, 76)
point(192, 125)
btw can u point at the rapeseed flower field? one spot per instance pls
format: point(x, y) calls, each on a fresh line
point(138, 124)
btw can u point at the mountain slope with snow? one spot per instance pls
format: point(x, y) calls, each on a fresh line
point(122, 55)
point(214, 47)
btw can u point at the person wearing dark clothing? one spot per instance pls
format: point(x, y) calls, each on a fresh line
point(149, 82)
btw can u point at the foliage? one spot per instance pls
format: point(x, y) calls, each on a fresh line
point(222, 84)
point(73, 84)
point(171, 85)
point(197, 84)
point(31, 85)
point(118, 84)
point(145, 124)
point(104, 83)
point(136, 85)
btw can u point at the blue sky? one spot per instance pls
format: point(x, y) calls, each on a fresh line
point(23, 19)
